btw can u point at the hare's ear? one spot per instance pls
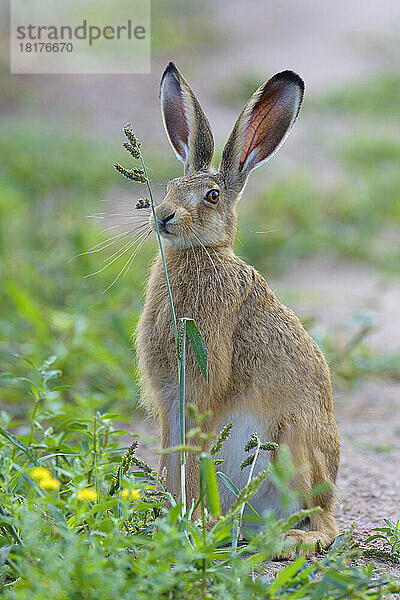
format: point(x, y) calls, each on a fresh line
point(187, 126)
point(262, 126)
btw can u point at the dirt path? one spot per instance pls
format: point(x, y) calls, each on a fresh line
point(369, 484)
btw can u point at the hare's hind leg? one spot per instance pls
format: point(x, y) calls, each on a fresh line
point(317, 463)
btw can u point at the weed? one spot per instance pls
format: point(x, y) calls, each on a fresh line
point(391, 537)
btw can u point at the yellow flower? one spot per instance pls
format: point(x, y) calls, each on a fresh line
point(40, 473)
point(132, 494)
point(87, 494)
point(45, 479)
point(49, 483)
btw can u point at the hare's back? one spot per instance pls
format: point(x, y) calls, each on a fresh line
point(273, 350)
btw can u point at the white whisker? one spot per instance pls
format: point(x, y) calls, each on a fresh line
point(106, 243)
point(108, 229)
point(126, 215)
point(124, 248)
point(140, 220)
point(130, 245)
point(129, 262)
point(260, 232)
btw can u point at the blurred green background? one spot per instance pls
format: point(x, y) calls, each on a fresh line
point(328, 204)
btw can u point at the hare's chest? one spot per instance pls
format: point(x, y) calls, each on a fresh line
point(210, 320)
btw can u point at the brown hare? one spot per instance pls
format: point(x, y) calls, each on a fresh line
point(265, 373)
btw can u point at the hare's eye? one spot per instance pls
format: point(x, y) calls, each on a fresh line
point(212, 196)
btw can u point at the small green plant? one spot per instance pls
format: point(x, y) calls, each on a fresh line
point(391, 537)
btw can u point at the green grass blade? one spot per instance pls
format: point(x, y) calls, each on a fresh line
point(287, 573)
point(198, 345)
point(182, 375)
point(31, 483)
point(182, 378)
point(232, 487)
point(16, 442)
point(10, 526)
point(210, 484)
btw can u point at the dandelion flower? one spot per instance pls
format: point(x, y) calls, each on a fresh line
point(49, 483)
point(40, 473)
point(132, 494)
point(87, 494)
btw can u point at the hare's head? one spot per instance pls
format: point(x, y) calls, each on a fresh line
point(200, 207)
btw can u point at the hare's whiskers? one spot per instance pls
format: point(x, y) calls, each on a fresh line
point(121, 252)
point(120, 225)
point(129, 262)
point(106, 243)
point(108, 229)
point(126, 246)
point(137, 218)
point(115, 215)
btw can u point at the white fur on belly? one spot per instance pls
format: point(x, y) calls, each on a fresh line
point(244, 425)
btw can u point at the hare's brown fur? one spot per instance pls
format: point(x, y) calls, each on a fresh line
point(264, 370)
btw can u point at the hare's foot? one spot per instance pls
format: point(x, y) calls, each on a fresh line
point(323, 530)
point(302, 543)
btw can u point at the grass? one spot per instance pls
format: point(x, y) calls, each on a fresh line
point(49, 186)
point(375, 97)
point(390, 534)
point(72, 525)
point(349, 218)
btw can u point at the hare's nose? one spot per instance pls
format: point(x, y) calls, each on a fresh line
point(169, 218)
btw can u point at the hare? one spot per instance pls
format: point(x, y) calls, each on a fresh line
point(265, 373)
